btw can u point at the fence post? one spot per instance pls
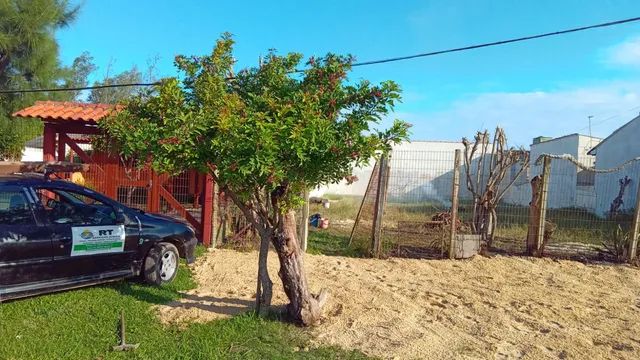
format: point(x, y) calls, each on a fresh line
point(454, 203)
point(544, 193)
point(376, 166)
point(206, 216)
point(304, 222)
point(635, 228)
point(381, 195)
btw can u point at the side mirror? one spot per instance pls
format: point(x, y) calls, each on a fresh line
point(121, 218)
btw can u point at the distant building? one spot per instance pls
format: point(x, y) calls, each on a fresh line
point(569, 187)
point(33, 149)
point(621, 146)
point(417, 172)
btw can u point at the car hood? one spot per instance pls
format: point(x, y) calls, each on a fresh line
point(166, 218)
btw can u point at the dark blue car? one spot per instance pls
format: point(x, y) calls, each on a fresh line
point(56, 235)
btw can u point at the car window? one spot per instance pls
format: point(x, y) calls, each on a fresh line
point(70, 207)
point(14, 208)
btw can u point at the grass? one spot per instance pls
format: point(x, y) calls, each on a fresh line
point(82, 324)
point(333, 242)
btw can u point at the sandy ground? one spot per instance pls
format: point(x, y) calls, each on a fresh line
point(483, 308)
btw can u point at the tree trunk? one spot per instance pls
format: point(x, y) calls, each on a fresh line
point(264, 291)
point(303, 308)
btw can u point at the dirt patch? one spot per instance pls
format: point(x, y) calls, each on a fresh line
point(485, 308)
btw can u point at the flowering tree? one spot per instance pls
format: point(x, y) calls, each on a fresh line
point(265, 135)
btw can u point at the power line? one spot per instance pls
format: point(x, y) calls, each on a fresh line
point(77, 88)
point(373, 62)
point(501, 42)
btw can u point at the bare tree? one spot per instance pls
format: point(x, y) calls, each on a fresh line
point(486, 165)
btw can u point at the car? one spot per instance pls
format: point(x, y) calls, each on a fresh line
point(56, 235)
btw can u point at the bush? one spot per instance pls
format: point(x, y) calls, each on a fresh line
point(617, 245)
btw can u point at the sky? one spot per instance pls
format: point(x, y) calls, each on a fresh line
point(544, 87)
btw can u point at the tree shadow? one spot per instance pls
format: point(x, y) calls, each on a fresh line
point(218, 305)
point(149, 294)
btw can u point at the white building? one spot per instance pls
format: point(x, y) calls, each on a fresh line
point(619, 147)
point(418, 172)
point(33, 149)
point(569, 187)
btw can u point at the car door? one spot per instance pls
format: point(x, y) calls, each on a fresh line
point(90, 237)
point(25, 243)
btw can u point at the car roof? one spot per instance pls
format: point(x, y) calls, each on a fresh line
point(30, 180)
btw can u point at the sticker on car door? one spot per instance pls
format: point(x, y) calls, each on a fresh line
point(90, 240)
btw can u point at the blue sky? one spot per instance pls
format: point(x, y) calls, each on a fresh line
point(542, 87)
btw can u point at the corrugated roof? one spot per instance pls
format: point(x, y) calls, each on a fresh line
point(67, 111)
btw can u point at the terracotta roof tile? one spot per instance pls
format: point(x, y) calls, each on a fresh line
point(67, 111)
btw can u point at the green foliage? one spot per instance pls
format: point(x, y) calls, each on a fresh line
point(79, 72)
point(29, 59)
point(117, 94)
point(267, 129)
point(617, 244)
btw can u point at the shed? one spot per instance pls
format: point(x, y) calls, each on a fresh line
point(70, 124)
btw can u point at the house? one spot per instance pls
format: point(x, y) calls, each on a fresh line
point(569, 186)
point(619, 147)
point(33, 150)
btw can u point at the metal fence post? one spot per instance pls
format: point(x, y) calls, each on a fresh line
point(454, 203)
point(381, 195)
point(544, 193)
point(635, 228)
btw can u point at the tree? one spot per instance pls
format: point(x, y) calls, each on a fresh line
point(491, 162)
point(264, 135)
point(79, 73)
point(28, 59)
point(116, 94)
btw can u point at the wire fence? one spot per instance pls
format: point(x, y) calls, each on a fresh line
point(418, 201)
point(588, 211)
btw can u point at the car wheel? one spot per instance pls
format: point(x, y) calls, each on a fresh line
point(161, 264)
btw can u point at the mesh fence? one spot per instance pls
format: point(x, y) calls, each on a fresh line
point(512, 210)
point(418, 200)
point(589, 212)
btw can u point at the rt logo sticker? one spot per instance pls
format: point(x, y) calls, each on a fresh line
point(87, 234)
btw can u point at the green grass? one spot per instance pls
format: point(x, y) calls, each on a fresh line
point(333, 242)
point(82, 324)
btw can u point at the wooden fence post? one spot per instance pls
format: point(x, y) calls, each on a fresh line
point(544, 193)
point(635, 228)
point(304, 222)
point(454, 203)
point(364, 198)
point(381, 198)
point(206, 216)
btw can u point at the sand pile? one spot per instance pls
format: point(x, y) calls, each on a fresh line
point(483, 308)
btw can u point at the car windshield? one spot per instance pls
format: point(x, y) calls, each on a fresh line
point(75, 198)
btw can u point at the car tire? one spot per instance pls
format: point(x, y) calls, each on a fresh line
point(161, 264)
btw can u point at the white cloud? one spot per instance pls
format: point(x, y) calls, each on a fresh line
point(525, 115)
point(626, 53)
